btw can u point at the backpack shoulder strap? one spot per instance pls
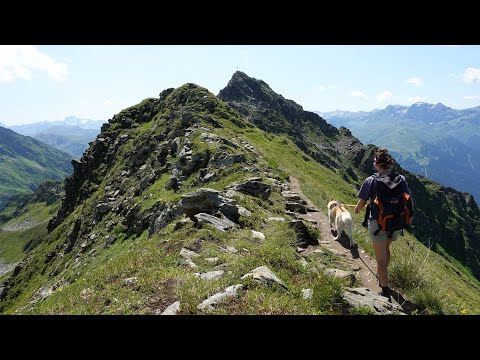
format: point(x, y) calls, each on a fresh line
point(373, 186)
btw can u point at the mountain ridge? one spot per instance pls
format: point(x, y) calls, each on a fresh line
point(25, 162)
point(432, 140)
point(38, 126)
point(71, 135)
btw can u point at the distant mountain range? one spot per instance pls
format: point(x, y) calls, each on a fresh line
point(26, 162)
point(433, 140)
point(71, 135)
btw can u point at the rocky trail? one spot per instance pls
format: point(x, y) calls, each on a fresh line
point(363, 265)
point(24, 225)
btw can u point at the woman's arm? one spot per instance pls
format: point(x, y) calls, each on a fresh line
point(360, 204)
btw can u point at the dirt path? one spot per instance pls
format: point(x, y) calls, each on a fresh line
point(24, 225)
point(6, 268)
point(366, 265)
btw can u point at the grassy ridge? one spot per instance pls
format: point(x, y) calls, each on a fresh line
point(26, 162)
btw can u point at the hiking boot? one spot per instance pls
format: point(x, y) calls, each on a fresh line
point(386, 292)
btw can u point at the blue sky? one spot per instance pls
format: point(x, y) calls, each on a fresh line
point(46, 83)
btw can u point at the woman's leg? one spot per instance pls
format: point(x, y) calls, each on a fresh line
point(381, 250)
point(389, 242)
point(379, 243)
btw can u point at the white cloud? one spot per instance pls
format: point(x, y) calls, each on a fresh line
point(471, 75)
point(359, 94)
point(385, 97)
point(414, 81)
point(472, 97)
point(18, 62)
point(415, 99)
point(326, 87)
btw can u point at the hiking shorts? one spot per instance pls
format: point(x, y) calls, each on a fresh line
point(382, 235)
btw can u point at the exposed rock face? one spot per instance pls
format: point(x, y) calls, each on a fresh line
point(273, 113)
point(163, 215)
point(220, 224)
point(72, 235)
point(244, 90)
point(210, 303)
point(209, 201)
point(265, 276)
point(172, 309)
point(304, 237)
point(255, 187)
point(378, 304)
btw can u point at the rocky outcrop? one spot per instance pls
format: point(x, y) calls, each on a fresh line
point(303, 234)
point(72, 235)
point(378, 304)
point(162, 216)
point(173, 309)
point(254, 187)
point(209, 201)
point(210, 303)
point(218, 223)
point(264, 275)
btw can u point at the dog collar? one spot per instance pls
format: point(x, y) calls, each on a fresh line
point(334, 205)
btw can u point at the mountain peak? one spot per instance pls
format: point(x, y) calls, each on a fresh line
point(242, 87)
point(270, 111)
point(395, 107)
point(245, 89)
point(441, 106)
point(437, 106)
point(238, 75)
point(255, 99)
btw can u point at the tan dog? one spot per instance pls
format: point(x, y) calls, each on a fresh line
point(340, 220)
